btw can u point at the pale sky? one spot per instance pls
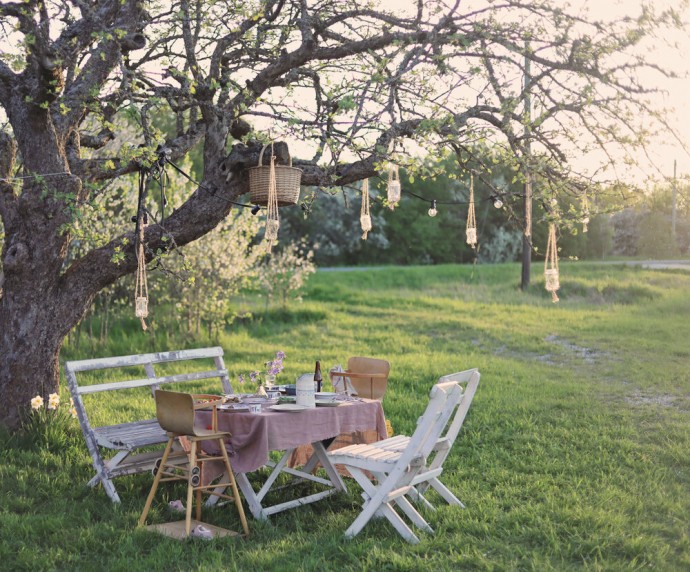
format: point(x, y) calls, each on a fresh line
point(677, 91)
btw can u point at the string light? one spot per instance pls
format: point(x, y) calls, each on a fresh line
point(432, 211)
point(498, 203)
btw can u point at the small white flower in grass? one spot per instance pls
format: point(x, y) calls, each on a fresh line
point(37, 403)
point(73, 411)
point(53, 401)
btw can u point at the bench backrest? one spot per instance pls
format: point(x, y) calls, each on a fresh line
point(148, 362)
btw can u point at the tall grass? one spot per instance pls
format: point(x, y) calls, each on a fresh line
point(575, 454)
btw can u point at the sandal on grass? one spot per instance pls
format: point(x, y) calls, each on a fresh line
point(200, 531)
point(176, 506)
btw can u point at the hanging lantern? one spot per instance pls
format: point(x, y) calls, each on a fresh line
point(141, 290)
point(551, 278)
point(471, 229)
point(393, 186)
point(365, 216)
point(141, 307)
point(272, 216)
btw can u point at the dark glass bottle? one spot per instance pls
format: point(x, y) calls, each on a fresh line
point(317, 375)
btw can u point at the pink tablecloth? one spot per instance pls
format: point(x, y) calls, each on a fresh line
point(254, 436)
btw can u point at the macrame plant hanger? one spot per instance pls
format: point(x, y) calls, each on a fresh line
point(471, 229)
point(141, 290)
point(393, 186)
point(365, 216)
point(272, 216)
point(551, 279)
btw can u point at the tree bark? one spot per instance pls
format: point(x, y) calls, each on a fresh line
point(30, 343)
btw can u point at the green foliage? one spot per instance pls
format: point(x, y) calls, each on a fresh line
point(655, 239)
point(625, 233)
point(599, 238)
point(332, 228)
point(48, 428)
point(282, 274)
point(210, 271)
point(503, 245)
point(574, 455)
point(198, 280)
point(407, 234)
point(647, 229)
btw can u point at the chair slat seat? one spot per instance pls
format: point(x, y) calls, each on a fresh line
point(366, 457)
point(130, 436)
point(397, 443)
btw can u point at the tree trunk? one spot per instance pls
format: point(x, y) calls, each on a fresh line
point(30, 342)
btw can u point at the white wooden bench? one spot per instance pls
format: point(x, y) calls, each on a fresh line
point(127, 438)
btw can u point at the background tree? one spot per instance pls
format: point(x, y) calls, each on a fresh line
point(344, 77)
point(282, 275)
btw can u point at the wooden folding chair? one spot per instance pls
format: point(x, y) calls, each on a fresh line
point(175, 413)
point(369, 376)
point(429, 475)
point(394, 471)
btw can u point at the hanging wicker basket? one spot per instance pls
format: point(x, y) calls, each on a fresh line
point(287, 183)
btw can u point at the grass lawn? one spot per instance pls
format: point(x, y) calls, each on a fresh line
point(575, 454)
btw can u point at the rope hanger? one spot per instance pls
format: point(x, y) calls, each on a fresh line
point(471, 229)
point(365, 215)
point(141, 290)
point(272, 216)
point(551, 278)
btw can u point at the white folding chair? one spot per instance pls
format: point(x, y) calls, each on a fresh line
point(394, 471)
point(429, 475)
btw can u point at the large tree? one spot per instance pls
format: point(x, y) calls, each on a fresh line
point(347, 78)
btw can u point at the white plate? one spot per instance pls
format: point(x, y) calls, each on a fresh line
point(234, 407)
point(328, 403)
point(288, 407)
point(259, 400)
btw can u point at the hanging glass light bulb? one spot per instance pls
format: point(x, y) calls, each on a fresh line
point(498, 203)
point(432, 211)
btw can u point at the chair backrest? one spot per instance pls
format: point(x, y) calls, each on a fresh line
point(369, 387)
point(448, 434)
point(175, 411)
point(442, 400)
point(454, 396)
point(470, 378)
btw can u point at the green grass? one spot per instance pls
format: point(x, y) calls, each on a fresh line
point(575, 454)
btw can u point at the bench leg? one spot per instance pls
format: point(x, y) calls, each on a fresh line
point(109, 489)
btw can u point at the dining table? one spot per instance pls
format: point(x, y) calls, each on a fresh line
point(255, 435)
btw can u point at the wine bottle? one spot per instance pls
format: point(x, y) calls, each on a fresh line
point(317, 376)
